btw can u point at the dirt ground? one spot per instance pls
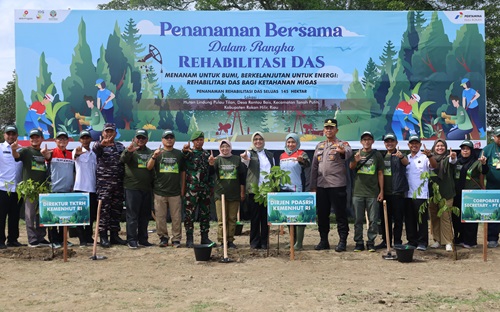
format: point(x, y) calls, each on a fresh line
point(169, 279)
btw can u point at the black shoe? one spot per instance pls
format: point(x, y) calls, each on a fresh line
point(132, 245)
point(231, 245)
point(104, 240)
point(3, 246)
point(359, 247)
point(163, 242)
point(115, 239)
point(255, 247)
point(15, 244)
point(145, 244)
point(44, 243)
point(370, 247)
point(382, 245)
point(323, 245)
point(189, 240)
point(342, 246)
point(176, 244)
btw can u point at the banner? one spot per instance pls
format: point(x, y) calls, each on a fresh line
point(231, 74)
point(291, 208)
point(66, 209)
point(481, 206)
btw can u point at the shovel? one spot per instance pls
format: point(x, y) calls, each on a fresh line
point(96, 233)
point(388, 256)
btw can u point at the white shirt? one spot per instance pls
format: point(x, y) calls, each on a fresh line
point(85, 167)
point(418, 164)
point(265, 165)
point(10, 170)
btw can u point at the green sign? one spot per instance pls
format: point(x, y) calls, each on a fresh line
point(68, 209)
point(291, 208)
point(481, 206)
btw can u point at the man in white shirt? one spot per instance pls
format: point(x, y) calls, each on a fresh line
point(85, 181)
point(10, 174)
point(417, 232)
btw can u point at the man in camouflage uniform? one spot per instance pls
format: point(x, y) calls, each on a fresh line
point(198, 186)
point(109, 186)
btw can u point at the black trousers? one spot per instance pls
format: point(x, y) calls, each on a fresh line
point(259, 229)
point(463, 232)
point(417, 232)
point(326, 198)
point(10, 209)
point(395, 215)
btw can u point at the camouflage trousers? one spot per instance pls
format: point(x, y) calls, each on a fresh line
point(197, 200)
point(111, 209)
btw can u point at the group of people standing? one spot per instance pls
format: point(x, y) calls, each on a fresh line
point(160, 182)
point(398, 179)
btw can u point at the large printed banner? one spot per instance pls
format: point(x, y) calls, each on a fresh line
point(291, 208)
point(66, 209)
point(481, 206)
point(230, 74)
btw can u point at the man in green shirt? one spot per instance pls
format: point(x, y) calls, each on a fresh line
point(461, 121)
point(95, 120)
point(368, 190)
point(33, 169)
point(138, 184)
point(169, 186)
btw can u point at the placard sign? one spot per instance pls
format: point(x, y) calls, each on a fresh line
point(64, 209)
point(481, 206)
point(291, 208)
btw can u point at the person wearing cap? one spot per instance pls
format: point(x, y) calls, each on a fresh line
point(36, 118)
point(258, 161)
point(443, 174)
point(395, 187)
point(34, 169)
point(61, 169)
point(138, 184)
point(402, 119)
point(169, 188)
point(368, 165)
point(105, 100)
point(95, 121)
point(109, 185)
point(10, 175)
point(85, 182)
point(470, 104)
point(417, 232)
point(198, 188)
point(295, 160)
point(329, 181)
point(469, 175)
point(230, 176)
point(461, 121)
point(492, 154)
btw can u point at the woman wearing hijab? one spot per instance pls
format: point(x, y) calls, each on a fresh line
point(230, 181)
point(295, 161)
point(258, 160)
point(469, 175)
point(443, 175)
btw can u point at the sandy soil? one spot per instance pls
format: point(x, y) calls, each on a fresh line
point(169, 279)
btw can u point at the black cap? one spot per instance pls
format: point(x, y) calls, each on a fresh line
point(11, 128)
point(330, 122)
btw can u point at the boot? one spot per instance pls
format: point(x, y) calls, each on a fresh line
point(299, 237)
point(323, 244)
point(206, 240)
point(104, 239)
point(114, 239)
point(189, 240)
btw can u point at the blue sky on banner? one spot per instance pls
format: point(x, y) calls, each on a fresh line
point(7, 7)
